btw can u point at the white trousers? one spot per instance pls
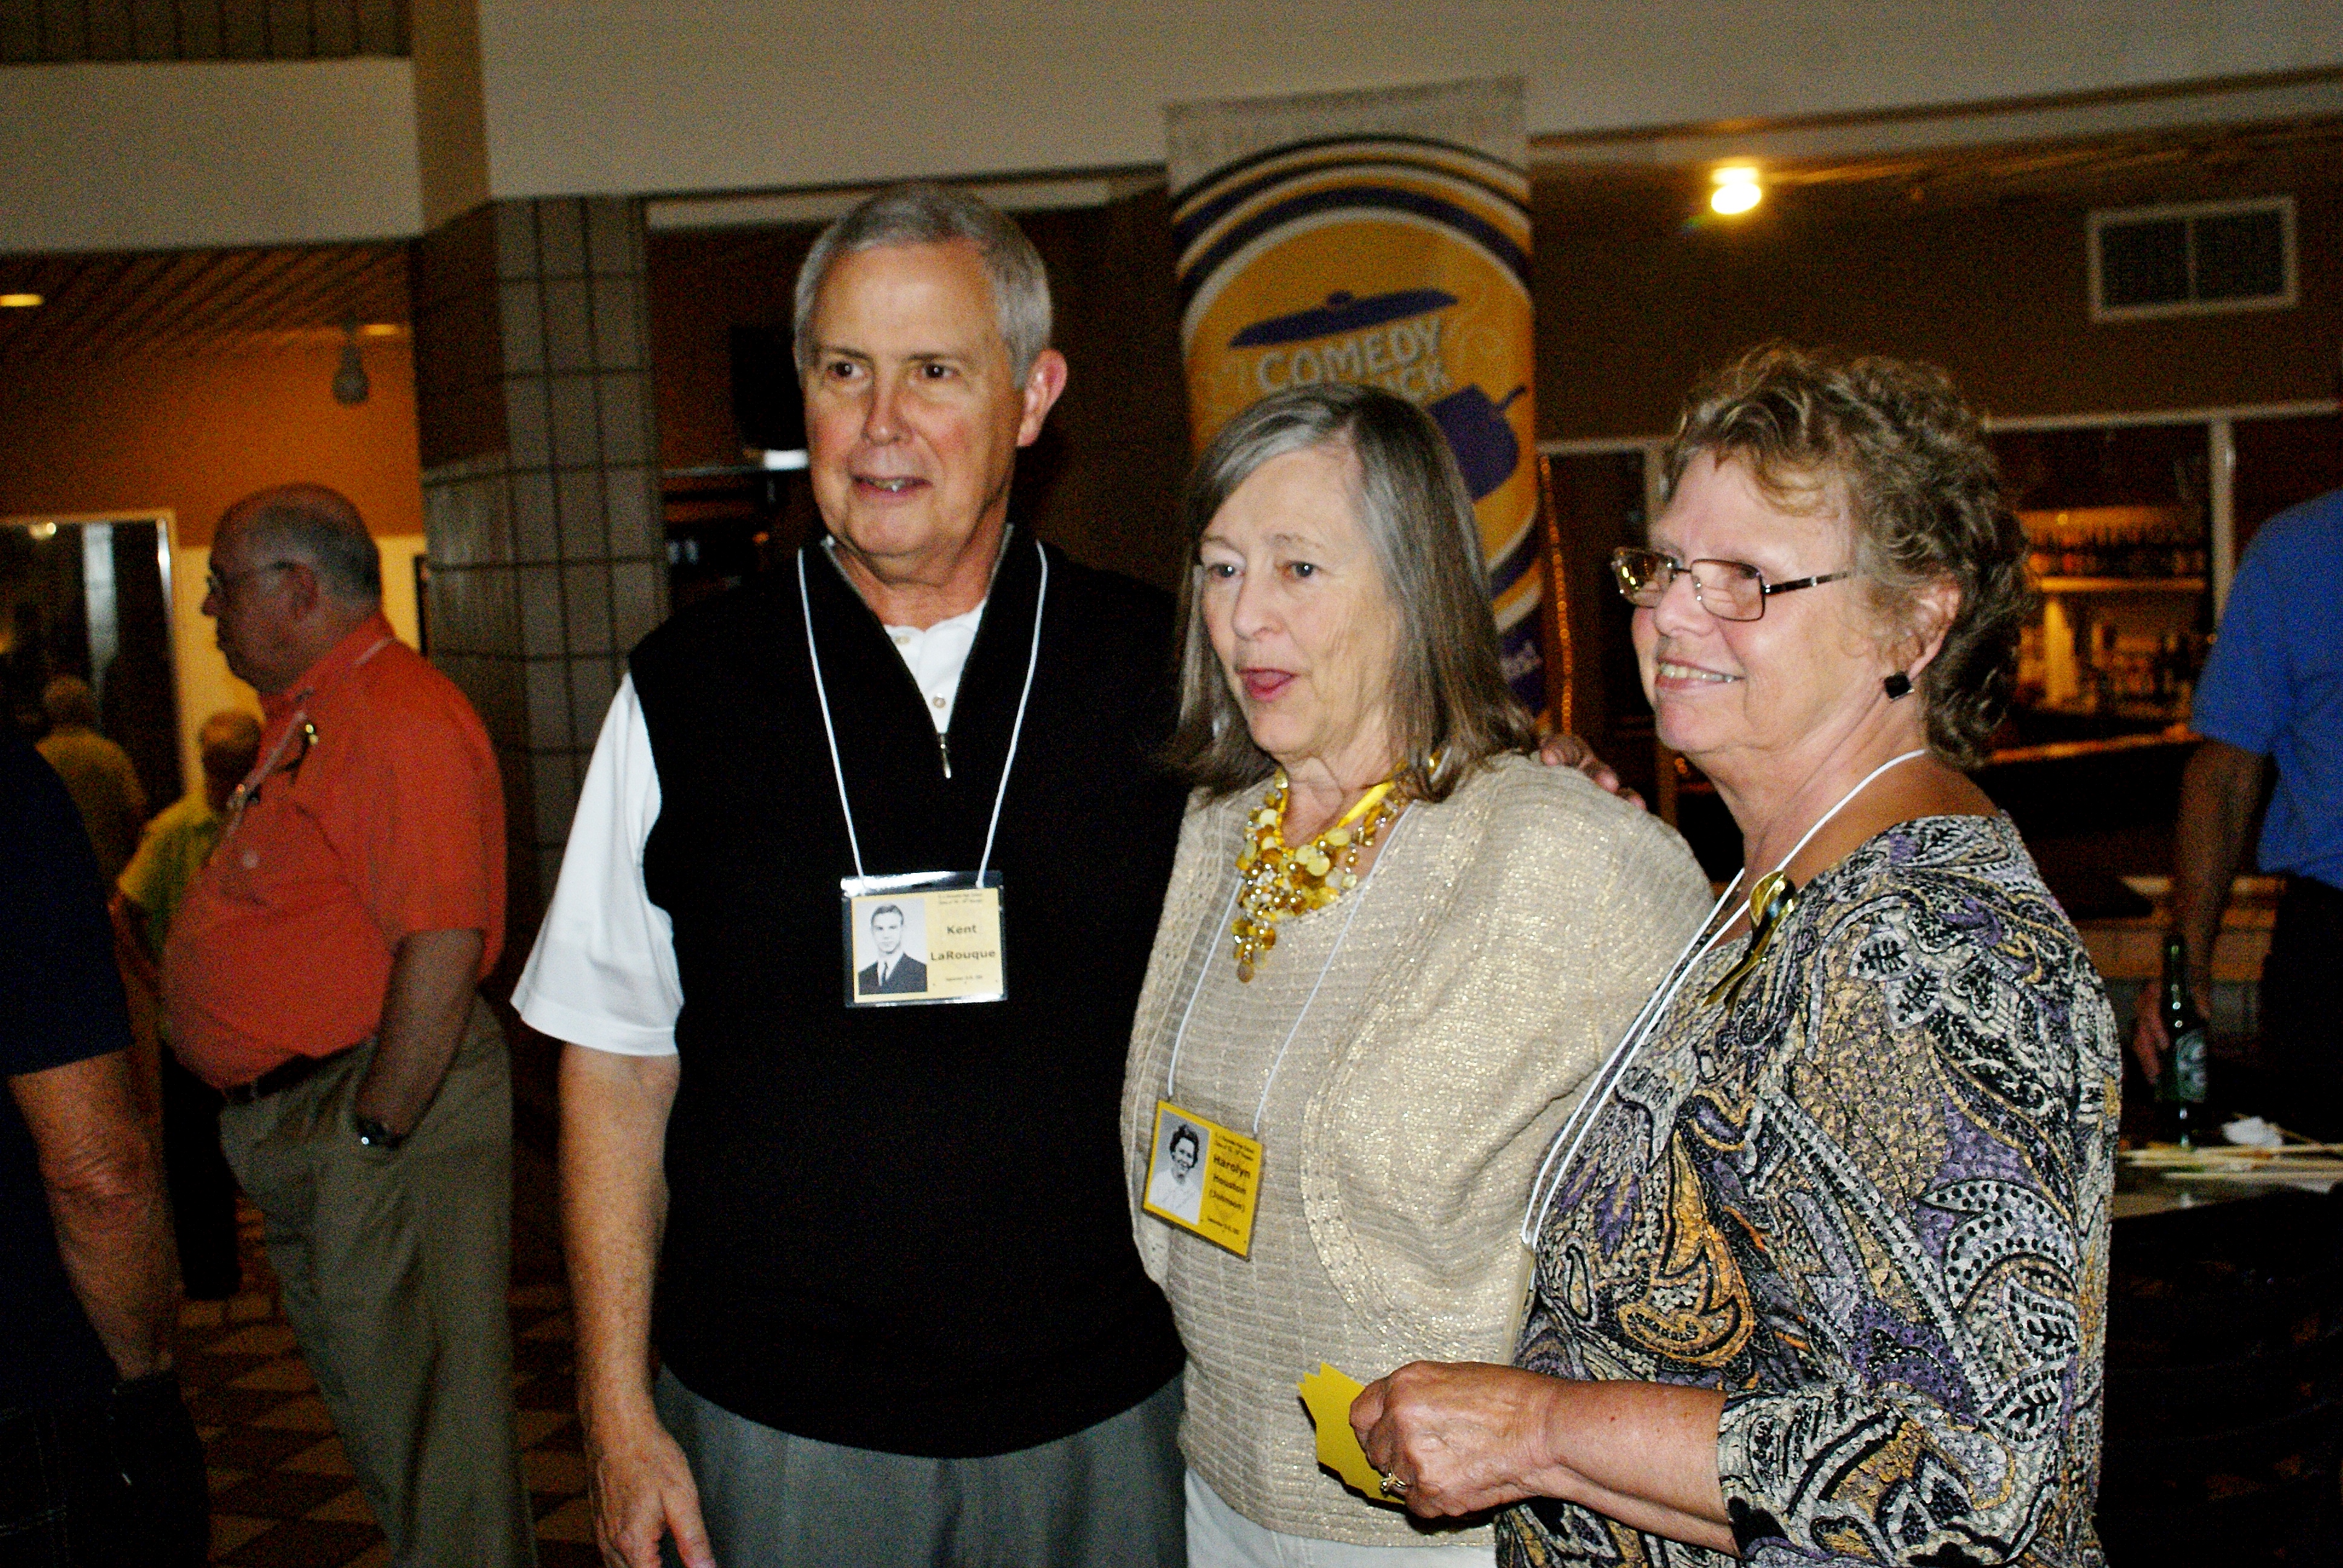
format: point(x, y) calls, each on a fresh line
point(1221, 1537)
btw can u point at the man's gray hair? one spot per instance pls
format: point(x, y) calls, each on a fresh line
point(319, 526)
point(926, 214)
point(67, 699)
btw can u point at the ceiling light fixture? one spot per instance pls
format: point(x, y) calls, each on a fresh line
point(350, 384)
point(1736, 191)
point(18, 301)
point(379, 329)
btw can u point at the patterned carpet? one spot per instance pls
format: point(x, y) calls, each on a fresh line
point(283, 1495)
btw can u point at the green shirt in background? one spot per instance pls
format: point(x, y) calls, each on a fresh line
point(176, 844)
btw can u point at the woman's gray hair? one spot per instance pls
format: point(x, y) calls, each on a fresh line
point(926, 214)
point(1892, 444)
point(1451, 708)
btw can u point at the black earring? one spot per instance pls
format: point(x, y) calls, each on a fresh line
point(1898, 685)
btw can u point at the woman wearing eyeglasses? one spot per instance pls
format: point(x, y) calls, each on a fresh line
point(1821, 1262)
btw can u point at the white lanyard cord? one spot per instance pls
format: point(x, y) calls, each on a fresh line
point(822, 695)
point(1180, 1036)
point(267, 766)
point(1032, 659)
point(1565, 1146)
point(244, 792)
point(1340, 937)
point(1016, 730)
point(1358, 896)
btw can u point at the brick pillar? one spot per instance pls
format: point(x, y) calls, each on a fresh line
point(540, 492)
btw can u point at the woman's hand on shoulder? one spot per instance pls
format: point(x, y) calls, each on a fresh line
point(1560, 750)
point(1461, 1437)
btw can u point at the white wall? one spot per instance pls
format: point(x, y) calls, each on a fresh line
point(646, 95)
point(650, 96)
point(183, 155)
point(448, 123)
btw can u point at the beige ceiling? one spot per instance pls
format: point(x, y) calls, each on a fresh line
point(195, 302)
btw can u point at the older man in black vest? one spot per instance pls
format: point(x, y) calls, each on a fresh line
point(899, 1318)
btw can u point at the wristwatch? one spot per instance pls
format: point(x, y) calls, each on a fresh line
point(373, 1134)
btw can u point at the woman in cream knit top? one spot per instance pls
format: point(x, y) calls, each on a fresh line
point(1403, 1052)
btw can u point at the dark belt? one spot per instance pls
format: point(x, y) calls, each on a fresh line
point(282, 1077)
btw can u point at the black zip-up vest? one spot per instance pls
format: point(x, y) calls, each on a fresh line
point(905, 1228)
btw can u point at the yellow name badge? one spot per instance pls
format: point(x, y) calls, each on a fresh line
point(924, 937)
point(1203, 1178)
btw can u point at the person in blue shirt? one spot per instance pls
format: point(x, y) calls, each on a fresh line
point(100, 1466)
point(2272, 694)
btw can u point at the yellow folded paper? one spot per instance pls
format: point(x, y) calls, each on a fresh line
point(1328, 1394)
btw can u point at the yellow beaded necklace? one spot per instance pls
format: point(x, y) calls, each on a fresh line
point(1275, 881)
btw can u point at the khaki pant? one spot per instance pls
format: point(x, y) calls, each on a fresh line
point(394, 1266)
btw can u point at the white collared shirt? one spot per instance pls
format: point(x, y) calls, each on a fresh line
point(935, 657)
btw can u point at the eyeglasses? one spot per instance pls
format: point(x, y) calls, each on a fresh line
point(1729, 590)
point(221, 584)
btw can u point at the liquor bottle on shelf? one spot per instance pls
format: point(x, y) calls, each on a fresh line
point(2180, 1070)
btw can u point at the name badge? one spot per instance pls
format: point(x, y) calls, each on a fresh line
point(1203, 1178)
point(922, 938)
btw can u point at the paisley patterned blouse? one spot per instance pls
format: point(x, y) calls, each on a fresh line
point(1867, 1197)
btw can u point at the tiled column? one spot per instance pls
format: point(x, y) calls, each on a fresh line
point(549, 554)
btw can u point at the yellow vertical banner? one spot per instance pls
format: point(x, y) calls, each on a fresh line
point(1379, 237)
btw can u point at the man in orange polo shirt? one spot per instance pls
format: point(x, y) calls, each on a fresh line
point(322, 974)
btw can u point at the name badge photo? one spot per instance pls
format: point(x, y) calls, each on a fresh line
point(1203, 1178)
point(925, 937)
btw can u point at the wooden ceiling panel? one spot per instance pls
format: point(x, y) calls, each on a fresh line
point(47, 31)
point(194, 302)
point(2114, 170)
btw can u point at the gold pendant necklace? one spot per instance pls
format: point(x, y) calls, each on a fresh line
point(1275, 881)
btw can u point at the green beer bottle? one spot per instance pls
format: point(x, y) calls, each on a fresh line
point(2180, 1071)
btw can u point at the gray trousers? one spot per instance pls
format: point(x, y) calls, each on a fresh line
point(1106, 1497)
point(394, 1267)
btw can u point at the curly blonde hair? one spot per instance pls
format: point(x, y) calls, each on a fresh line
point(1892, 444)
